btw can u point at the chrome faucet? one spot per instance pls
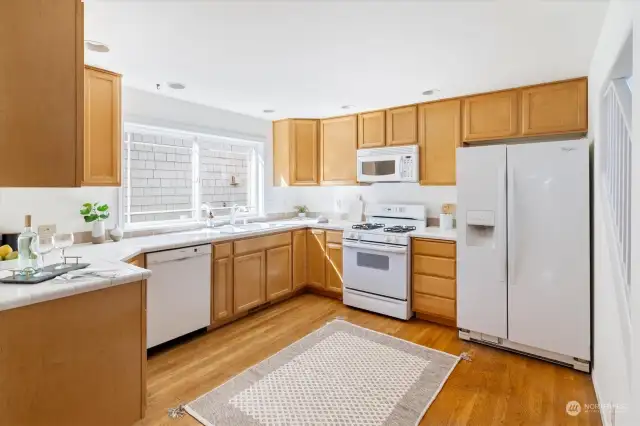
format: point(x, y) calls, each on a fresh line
point(209, 218)
point(235, 209)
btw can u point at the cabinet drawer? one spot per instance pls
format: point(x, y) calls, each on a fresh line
point(438, 266)
point(261, 243)
point(434, 248)
point(220, 251)
point(434, 305)
point(435, 286)
point(334, 237)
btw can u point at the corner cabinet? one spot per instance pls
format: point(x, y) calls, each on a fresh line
point(438, 138)
point(555, 108)
point(41, 109)
point(491, 116)
point(324, 260)
point(299, 266)
point(102, 128)
point(338, 145)
point(315, 258)
point(295, 152)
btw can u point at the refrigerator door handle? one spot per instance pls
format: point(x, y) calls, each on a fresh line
point(511, 227)
point(500, 229)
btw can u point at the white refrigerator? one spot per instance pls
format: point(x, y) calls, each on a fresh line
point(523, 252)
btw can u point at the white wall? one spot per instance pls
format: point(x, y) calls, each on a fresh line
point(615, 362)
point(61, 205)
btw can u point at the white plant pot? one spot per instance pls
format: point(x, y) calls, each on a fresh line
point(97, 232)
point(302, 215)
point(116, 233)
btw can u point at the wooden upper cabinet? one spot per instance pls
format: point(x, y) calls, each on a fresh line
point(102, 128)
point(491, 116)
point(438, 136)
point(315, 258)
point(41, 108)
point(295, 152)
point(555, 108)
point(371, 129)
point(338, 144)
point(402, 125)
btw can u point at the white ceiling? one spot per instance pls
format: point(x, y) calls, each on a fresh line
point(307, 58)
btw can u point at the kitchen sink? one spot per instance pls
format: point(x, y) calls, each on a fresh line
point(256, 226)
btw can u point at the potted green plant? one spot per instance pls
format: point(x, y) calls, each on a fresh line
point(96, 214)
point(301, 210)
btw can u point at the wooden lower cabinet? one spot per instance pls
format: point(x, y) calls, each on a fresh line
point(76, 360)
point(434, 280)
point(248, 281)
point(315, 258)
point(299, 259)
point(278, 272)
point(334, 267)
point(222, 291)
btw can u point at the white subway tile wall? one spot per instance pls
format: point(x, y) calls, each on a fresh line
point(159, 178)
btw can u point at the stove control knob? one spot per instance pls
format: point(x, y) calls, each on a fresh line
point(353, 235)
point(390, 239)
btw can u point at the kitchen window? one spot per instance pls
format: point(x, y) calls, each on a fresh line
point(168, 175)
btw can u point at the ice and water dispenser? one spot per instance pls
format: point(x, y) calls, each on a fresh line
point(481, 227)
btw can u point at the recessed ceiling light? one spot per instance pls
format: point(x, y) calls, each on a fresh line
point(96, 46)
point(346, 106)
point(429, 92)
point(268, 111)
point(175, 86)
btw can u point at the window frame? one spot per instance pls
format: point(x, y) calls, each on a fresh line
point(255, 190)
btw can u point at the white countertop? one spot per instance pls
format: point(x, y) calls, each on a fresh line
point(112, 256)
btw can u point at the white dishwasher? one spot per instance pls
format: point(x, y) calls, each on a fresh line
point(178, 293)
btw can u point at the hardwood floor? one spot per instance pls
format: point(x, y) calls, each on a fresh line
point(495, 388)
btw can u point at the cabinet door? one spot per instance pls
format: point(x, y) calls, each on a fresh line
point(338, 144)
point(334, 267)
point(41, 80)
point(439, 136)
point(315, 258)
point(402, 126)
point(281, 152)
point(491, 116)
point(248, 281)
point(278, 272)
point(304, 152)
point(371, 129)
point(102, 128)
point(299, 259)
point(555, 108)
point(222, 291)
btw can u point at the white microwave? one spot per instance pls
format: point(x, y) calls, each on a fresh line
point(393, 164)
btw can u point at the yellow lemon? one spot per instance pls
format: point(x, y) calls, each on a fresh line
point(5, 250)
point(11, 256)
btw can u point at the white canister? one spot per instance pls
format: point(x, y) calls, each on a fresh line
point(446, 221)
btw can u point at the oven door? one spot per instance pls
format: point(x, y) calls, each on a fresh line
point(379, 168)
point(376, 268)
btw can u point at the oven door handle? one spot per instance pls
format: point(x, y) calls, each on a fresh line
point(374, 247)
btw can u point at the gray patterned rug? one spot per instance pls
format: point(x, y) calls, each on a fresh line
point(341, 374)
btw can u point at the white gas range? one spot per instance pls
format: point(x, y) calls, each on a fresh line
point(377, 259)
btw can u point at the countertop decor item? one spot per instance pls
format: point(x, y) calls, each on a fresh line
point(95, 213)
point(116, 233)
point(301, 210)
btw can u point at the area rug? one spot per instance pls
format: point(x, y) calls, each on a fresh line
point(341, 374)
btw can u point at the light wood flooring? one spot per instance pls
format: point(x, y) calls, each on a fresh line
point(495, 388)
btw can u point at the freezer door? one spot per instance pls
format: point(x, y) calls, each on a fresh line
point(548, 241)
point(481, 246)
